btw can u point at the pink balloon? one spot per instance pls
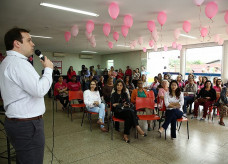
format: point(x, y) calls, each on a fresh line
point(74, 30)
point(174, 45)
point(124, 30)
point(106, 29)
point(220, 42)
point(67, 36)
point(162, 18)
point(90, 26)
point(151, 26)
point(128, 21)
point(216, 38)
point(211, 9)
point(144, 49)
point(155, 48)
point(186, 26)
point(198, 2)
point(113, 10)
point(115, 36)
point(88, 36)
point(226, 17)
point(110, 45)
point(179, 46)
point(151, 43)
point(140, 40)
point(204, 31)
point(165, 48)
point(177, 33)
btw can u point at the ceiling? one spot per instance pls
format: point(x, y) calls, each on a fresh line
point(52, 22)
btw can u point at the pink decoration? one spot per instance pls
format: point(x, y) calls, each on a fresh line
point(226, 17)
point(124, 30)
point(151, 26)
point(220, 42)
point(216, 38)
point(144, 49)
point(90, 26)
point(155, 35)
point(162, 18)
point(113, 10)
point(211, 9)
point(186, 26)
point(177, 33)
point(88, 36)
point(115, 36)
point(67, 36)
point(140, 40)
point(128, 21)
point(204, 31)
point(155, 48)
point(106, 29)
point(110, 45)
point(174, 45)
point(151, 43)
point(165, 48)
point(93, 44)
point(92, 39)
point(198, 2)
point(179, 46)
point(74, 30)
point(134, 43)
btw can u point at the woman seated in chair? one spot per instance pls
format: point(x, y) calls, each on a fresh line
point(206, 97)
point(61, 93)
point(122, 110)
point(174, 100)
point(223, 105)
point(93, 103)
point(74, 85)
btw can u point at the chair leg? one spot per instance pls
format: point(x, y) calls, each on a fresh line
point(154, 124)
point(188, 129)
point(180, 126)
point(165, 134)
point(112, 124)
point(56, 105)
point(90, 121)
point(83, 117)
point(71, 115)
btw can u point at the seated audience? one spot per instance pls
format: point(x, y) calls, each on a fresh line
point(101, 84)
point(145, 84)
point(93, 103)
point(206, 97)
point(61, 93)
point(120, 74)
point(136, 77)
point(154, 86)
point(223, 105)
point(70, 73)
point(214, 81)
point(129, 85)
point(218, 87)
point(55, 74)
point(164, 89)
point(128, 71)
point(174, 101)
point(74, 85)
point(180, 82)
point(122, 110)
point(87, 83)
point(107, 90)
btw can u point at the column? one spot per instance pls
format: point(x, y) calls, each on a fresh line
point(183, 62)
point(224, 62)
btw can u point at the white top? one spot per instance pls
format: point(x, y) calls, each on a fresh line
point(90, 97)
point(169, 99)
point(21, 87)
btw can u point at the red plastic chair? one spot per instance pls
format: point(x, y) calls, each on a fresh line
point(146, 103)
point(75, 95)
point(213, 107)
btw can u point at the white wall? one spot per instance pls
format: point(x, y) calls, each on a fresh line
point(133, 59)
point(67, 61)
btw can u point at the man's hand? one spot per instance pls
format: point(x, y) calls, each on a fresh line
point(47, 63)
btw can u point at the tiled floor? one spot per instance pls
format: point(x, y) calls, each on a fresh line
point(208, 143)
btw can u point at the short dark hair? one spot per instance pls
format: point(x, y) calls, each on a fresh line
point(208, 81)
point(178, 90)
point(12, 35)
point(117, 82)
point(96, 89)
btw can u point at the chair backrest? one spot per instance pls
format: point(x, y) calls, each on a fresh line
point(161, 102)
point(75, 95)
point(150, 94)
point(144, 103)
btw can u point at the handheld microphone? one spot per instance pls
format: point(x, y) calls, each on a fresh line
point(38, 53)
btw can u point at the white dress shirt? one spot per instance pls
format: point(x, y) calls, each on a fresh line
point(170, 99)
point(21, 87)
point(90, 97)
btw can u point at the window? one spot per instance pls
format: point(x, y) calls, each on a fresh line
point(110, 63)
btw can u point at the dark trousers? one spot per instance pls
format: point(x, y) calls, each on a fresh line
point(171, 116)
point(130, 119)
point(205, 107)
point(63, 100)
point(187, 100)
point(27, 138)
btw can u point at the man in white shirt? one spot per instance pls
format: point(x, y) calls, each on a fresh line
point(23, 92)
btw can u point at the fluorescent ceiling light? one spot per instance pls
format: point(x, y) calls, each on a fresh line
point(122, 45)
point(92, 52)
point(45, 37)
point(188, 36)
point(69, 9)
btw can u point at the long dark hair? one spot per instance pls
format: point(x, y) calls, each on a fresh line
point(178, 90)
point(130, 80)
point(96, 89)
point(217, 82)
point(117, 82)
point(206, 83)
point(69, 70)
